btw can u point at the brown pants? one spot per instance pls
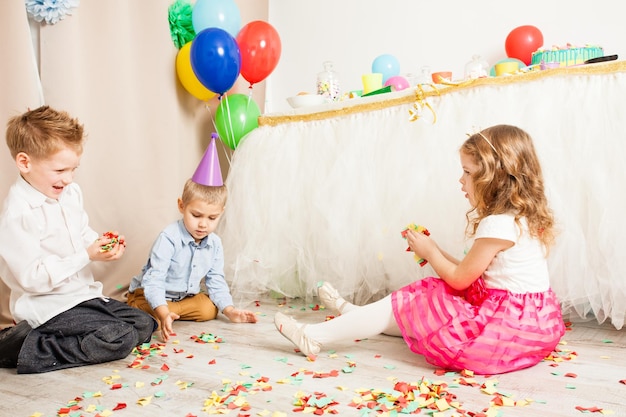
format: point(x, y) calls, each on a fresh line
point(195, 308)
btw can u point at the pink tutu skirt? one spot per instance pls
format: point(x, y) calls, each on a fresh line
point(487, 331)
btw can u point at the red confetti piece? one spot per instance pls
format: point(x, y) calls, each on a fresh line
point(570, 375)
point(212, 362)
point(116, 386)
point(165, 367)
point(119, 406)
point(333, 373)
point(257, 303)
point(590, 409)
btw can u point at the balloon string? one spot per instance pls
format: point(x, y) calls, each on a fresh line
point(215, 129)
point(231, 132)
point(245, 119)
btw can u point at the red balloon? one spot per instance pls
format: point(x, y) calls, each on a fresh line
point(260, 49)
point(522, 42)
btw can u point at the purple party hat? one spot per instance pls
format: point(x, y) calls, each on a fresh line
point(208, 171)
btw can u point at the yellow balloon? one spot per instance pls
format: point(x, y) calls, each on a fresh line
point(187, 77)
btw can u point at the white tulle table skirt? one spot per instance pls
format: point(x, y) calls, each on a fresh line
point(324, 196)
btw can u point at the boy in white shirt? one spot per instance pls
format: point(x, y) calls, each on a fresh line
point(63, 319)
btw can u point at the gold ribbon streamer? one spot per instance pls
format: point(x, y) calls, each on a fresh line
point(420, 97)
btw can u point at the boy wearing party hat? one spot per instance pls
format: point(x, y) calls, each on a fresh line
point(186, 253)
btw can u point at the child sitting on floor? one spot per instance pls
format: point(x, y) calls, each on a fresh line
point(46, 246)
point(491, 312)
point(187, 252)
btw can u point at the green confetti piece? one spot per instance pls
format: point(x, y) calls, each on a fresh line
point(607, 341)
point(570, 386)
point(390, 367)
point(159, 394)
point(347, 369)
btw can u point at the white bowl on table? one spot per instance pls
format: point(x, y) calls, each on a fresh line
point(306, 100)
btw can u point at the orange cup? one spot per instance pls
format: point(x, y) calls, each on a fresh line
point(440, 76)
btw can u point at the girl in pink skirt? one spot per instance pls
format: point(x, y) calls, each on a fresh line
point(491, 312)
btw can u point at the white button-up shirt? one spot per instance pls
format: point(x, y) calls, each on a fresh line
point(43, 256)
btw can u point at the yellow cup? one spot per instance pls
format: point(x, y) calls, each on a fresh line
point(372, 82)
point(507, 67)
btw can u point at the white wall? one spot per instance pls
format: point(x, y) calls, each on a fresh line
point(442, 35)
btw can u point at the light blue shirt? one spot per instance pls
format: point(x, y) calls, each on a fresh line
point(177, 266)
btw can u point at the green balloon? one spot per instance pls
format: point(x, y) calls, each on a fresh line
point(236, 116)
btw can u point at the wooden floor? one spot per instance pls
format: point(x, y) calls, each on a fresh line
point(251, 370)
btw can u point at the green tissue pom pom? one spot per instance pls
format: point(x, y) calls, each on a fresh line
point(181, 26)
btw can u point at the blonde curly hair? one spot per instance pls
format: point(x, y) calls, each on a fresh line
point(509, 180)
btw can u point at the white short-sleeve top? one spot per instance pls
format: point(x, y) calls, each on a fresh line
point(522, 268)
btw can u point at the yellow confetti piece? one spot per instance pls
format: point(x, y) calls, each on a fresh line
point(105, 413)
point(240, 401)
point(493, 412)
point(36, 414)
point(341, 388)
point(605, 357)
point(139, 384)
point(110, 379)
point(442, 404)
point(508, 402)
point(144, 401)
point(176, 342)
point(263, 413)
point(607, 412)
point(278, 414)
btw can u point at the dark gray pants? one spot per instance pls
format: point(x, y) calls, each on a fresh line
point(94, 331)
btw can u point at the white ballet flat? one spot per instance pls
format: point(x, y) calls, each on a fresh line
point(329, 297)
point(294, 332)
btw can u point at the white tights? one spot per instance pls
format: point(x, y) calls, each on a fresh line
point(356, 322)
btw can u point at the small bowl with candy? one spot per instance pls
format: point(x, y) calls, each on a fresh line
point(306, 100)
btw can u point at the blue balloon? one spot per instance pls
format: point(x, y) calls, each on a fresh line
point(223, 14)
point(215, 59)
point(386, 64)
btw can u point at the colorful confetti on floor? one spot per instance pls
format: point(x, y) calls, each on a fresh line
point(240, 374)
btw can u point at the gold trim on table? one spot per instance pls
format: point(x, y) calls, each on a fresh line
point(422, 92)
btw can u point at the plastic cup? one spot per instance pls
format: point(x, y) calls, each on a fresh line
point(440, 76)
point(372, 82)
point(508, 67)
